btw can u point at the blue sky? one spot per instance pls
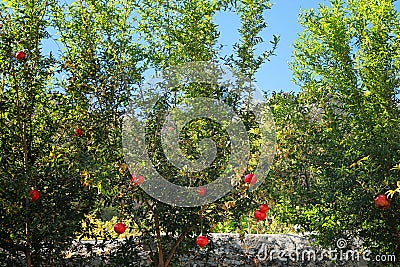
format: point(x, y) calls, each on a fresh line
point(282, 20)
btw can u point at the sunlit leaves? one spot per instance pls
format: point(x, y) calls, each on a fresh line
point(346, 61)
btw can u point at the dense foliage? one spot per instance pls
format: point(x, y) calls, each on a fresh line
point(338, 138)
point(61, 119)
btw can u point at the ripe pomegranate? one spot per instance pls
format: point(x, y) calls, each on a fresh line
point(382, 202)
point(78, 132)
point(259, 215)
point(201, 191)
point(119, 228)
point(202, 241)
point(264, 207)
point(250, 179)
point(137, 180)
point(35, 195)
point(20, 55)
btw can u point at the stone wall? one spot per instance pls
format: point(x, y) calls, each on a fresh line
point(262, 250)
point(249, 250)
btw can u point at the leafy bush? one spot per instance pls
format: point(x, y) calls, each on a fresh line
point(337, 139)
point(61, 121)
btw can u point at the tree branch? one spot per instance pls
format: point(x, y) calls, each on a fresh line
point(158, 234)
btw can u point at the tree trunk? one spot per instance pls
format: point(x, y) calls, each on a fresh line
point(175, 246)
point(159, 241)
point(28, 252)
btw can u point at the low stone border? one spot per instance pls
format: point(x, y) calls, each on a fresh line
point(260, 250)
point(275, 250)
